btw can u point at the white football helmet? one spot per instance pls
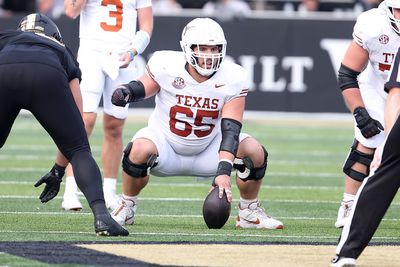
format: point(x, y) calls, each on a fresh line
point(203, 31)
point(389, 6)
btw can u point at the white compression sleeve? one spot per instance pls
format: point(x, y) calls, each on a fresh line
point(140, 42)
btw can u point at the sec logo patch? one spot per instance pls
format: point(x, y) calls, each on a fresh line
point(178, 83)
point(384, 39)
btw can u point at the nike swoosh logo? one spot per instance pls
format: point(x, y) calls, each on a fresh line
point(219, 85)
point(253, 222)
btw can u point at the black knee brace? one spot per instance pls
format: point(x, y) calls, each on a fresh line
point(354, 157)
point(246, 170)
point(137, 170)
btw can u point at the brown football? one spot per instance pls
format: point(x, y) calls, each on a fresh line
point(216, 210)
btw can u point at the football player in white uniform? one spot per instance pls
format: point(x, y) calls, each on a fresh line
point(108, 45)
point(378, 190)
point(371, 53)
point(195, 127)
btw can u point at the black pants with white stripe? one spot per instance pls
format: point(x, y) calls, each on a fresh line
point(373, 199)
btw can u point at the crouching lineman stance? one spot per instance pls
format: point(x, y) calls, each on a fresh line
point(195, 127)
point(41, 75)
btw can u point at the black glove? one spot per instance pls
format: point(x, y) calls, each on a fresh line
point(121, 96)
point(367, 125)
point(52, 180)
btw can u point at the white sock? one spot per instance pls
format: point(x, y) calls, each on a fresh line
point(245, 203)
point(70, 185)
point(130, 201)
point(349, 198)
point(110, 185)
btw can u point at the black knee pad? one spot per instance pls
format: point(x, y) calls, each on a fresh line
point(137, 170)
point(354, 157)
point(246, 170)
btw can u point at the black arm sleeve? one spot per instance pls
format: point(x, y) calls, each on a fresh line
point(230, 129)
point(347, 78)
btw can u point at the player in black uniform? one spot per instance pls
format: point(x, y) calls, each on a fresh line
point(39, 73)
point(377, 191)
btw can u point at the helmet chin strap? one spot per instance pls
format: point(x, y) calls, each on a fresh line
point(208, 74)
point(204, 72)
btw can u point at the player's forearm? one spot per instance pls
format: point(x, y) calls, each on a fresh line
point(145, 19)
point(225, 155)
point(142, 37)
point(73, 7)
point(61, 160)
point(392, 108)
point(352, 98)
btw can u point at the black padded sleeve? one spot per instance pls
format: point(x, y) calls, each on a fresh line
point(230, 129)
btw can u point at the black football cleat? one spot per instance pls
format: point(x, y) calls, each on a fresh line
point(105, 225)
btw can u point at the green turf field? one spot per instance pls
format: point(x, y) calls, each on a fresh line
point(302, 188)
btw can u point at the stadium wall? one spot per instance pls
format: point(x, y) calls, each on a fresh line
point(292, 61)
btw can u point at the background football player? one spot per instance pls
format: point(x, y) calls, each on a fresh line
point(371, 53)
point(108, 45)
point(379, 189)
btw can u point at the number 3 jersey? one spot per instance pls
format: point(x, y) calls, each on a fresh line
point(188, 113)
point(109, 25)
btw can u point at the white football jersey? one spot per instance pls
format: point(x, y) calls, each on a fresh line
point(373, 32)
point(188, 113)
point(109, 25)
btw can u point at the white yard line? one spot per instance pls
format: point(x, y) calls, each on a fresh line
point(61, 213)
point(195, 185)
point(334, 237)
point(170, 199)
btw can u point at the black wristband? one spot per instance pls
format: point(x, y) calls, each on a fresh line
point(224, 168)
point(58, 170)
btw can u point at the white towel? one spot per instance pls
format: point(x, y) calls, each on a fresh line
point(111, 63)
